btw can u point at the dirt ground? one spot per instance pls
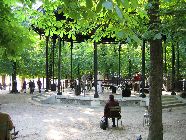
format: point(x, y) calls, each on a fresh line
point(70, 122)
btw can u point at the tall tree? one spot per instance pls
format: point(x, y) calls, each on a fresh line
point(156, 74)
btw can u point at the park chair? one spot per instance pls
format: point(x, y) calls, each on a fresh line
point(3, 131)
point(6, 134)
point(14, 134)
point(115, 112)
point(146, 118)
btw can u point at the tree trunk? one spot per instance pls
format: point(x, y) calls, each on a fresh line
point(156, 76)
point(14, 81)
point(155, 104)
point(3, 79)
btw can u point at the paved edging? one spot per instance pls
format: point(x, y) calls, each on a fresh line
point(130, 101)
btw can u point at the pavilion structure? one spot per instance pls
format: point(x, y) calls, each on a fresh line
point(79, 38)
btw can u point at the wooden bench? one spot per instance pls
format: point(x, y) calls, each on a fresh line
point(115, 112)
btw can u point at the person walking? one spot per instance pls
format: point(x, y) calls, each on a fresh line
point(39, 84)
point(99, 83)
point(24, 86)
point(31, 87)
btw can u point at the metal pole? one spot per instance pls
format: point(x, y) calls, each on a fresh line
point(173, 70)
point(54, 42)
point(47, 77)
point(59, 68)
point(95, 70)
point(71, 58)
point(165, 57)
point(129, 68)
point(143, 70)
point(119, 69)
point(178, 62)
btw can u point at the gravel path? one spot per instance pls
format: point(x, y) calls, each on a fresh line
point(70, 122)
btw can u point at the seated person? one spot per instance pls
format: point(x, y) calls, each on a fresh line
point(109, 104)
point(6, 125)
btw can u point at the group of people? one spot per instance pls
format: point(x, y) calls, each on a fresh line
point(31, 86)
point(86, 80)
point(83, 82)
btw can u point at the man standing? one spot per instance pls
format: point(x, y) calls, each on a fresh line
point(99, 83)
point(24, 86)
point(39, 84)
point(31, 86)
point(89, 80)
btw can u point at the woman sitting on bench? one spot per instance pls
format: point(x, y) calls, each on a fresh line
point(109, 104)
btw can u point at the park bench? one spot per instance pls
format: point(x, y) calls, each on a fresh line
point(115, 112)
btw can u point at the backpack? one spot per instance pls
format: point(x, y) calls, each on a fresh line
point(103, 124)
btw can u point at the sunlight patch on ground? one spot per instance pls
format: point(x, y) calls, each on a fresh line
point(61, 113)
point(28, 116)
point(74, 131)
point(81, 119)
point(72, 119)
point(51, 120)
point(60, 134)
point(54, 134)
point(88, 111)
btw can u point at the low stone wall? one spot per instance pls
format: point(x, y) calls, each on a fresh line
point(130, 101)
point(75, 101)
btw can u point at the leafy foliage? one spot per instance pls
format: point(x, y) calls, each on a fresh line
point(123, 20)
